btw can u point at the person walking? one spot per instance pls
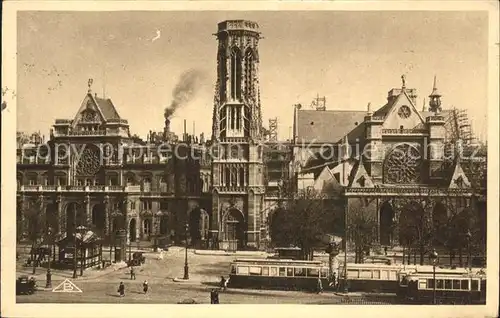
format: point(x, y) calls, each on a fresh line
point(132, 273)
point(145, 287)
point(334, 280)
point(214, 296)
point(121, 289)
point(222, 283)
point(320, 286)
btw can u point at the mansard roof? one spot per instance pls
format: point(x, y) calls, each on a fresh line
point(107, 107)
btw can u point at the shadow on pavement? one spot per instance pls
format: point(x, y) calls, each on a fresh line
point(214, 269)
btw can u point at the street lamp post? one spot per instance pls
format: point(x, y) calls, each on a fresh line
point(434, 256)
point(74, 243)
point(81, 230)
point(468, 235)
point(345, 251)
point(186, 267)
point(49, 274)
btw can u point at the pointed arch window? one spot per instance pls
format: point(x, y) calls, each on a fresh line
point(242, 177)
point(235, 74)
point(227, 177)
point(249, 71)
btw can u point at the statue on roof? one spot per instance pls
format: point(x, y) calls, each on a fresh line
point(90, 82)
point(403, 79)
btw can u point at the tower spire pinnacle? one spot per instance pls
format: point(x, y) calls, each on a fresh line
point(90, 82)
point(435, 98)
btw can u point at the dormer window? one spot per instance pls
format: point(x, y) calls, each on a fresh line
point(362, 181)
point(459, 182)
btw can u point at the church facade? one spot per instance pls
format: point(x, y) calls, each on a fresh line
point(408, 170)
point(395, 163)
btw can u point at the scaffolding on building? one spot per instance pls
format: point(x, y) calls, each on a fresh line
point(273, 129)
point(458, 128)
point(319, 103)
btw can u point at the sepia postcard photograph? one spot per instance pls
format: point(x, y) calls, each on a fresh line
point(272, 155)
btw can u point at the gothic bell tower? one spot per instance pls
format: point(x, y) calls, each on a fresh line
point(237, 169)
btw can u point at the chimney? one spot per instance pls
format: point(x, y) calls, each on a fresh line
point(166, 130)
point(184, 136)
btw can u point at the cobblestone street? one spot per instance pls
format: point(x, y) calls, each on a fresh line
point(100, 286)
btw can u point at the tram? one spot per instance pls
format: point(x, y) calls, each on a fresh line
point(277, 274)
point(374, 277)
point(452, 286)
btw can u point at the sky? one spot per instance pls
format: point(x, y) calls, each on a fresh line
point(351, 58)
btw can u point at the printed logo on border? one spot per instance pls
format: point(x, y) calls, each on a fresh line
point(67, 287)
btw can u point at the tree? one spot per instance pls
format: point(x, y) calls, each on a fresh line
point(36, 227)
point(301, 221)
point(416, 228)
point(362, 230)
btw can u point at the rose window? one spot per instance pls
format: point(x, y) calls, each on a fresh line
point(89, 162)
point(90, 116)
point(403, 165)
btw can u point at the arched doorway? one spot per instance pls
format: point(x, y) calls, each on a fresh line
point(99, 218)
point(164, 224)
point(235, 229)
point(146, 228)
point(198, 226)
point(132, 230)
point(51, 217)
point(386, 223)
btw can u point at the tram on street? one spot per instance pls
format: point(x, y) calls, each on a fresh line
point(277, 274)
point(374, 277)
point(451, 286)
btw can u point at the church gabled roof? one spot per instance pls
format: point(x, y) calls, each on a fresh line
point(458, 179)
point(107, 107)
point(359, 178)
point(104, 108)
point(326, 126)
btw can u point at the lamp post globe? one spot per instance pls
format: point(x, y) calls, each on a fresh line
point(468, 236)
point(186, 267)
point(434, 257)
point(49, 274)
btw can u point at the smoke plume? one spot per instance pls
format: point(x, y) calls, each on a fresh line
point(186, 89)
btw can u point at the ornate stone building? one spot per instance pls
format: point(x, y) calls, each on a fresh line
point(238, 171)
point(406, 168)
point(92, 172)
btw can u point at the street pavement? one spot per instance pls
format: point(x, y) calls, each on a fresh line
point(100, 286)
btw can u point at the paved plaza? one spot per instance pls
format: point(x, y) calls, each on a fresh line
point(100, 286)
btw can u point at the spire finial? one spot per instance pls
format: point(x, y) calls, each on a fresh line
point(435, 98)
point(423, 105)
point(403, 80)
point(369, 108)
point(90, 84)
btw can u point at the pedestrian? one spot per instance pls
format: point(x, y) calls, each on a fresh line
point(132, 273)
point(334, 279)
point(145, 287)
point(214, 296)
point(385, 250)
point(121, 289)
point(320, 286)
point(222, 282)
